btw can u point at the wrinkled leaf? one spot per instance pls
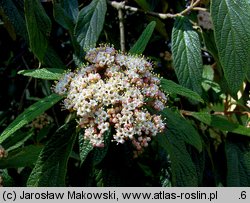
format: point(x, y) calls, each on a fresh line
point(38, 26)
point(43, 73)
point(143, 40)
point(232, 37)
point(221, 123)
point(29, 114)
point(182, 167)
point(51, 166)
point(22, 157)
point(186, 51)
point(100, 153)
point(90, 22)
point(238, 164)
point(85, 147)
point(172, 88)
point(182, 129)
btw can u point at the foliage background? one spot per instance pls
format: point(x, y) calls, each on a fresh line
point(207, 138)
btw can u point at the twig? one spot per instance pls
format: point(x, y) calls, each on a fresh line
point(189, 113)
point(121, 5)
point(121, 26)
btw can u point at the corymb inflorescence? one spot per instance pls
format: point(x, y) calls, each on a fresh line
point(113, 91)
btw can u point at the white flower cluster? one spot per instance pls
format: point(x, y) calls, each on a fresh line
point(111, 92)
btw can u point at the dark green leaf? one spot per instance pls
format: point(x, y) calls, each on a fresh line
point(22, 157)
point(29, 114)
point(182, 129)
point(172, 88)
point(51, 166)
point(70, 7)
point(100, 153)
point(143, 40)
point(90, 23)
point(52, 60)
point(8, 181)
point(182, 167)
point(232, 37)
point(238, 164)
point(16, 140)
point(38, 26)
point(15, 15)
point(65, 13)
point(43, 73)
point(85, 147)
point(187, 55)
point(221, 123)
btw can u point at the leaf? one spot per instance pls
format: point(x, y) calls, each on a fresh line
point(187, 55)
point(15, 15)
point(143, 40)
point(8, 181)
point(85, 147)
point(70, 7)
point(38, 26)
point(172, 88)
point(43, 73)
point(221, 123)
point(232, 37)
point(182, 129)
point(90, 23)
point(238, 164)
point(100, 153)
point(52, 60)
point(51, 166)
point(65, 13)
point(183, 169)
point(22, 157)
point(16, 140)
point(29, 114)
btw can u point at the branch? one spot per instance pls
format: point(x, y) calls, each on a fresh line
point(121, 5)
point(121, 26)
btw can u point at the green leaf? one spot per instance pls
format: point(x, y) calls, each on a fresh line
point(90, 23)
point(232, 37)
point(238, 164)
point(8, 181)
point(51, 166)
point(182, 129)
point(172, 88)
point(65, 13)
point(70, 7)
point(29, 114)
point(143, 40)
point(100, 153)
point(52, 60)
point(221, 123)
point(43, 73)
point(22, 157)
point(85, 147)
point(38, 26)
point(182, 167)
point(186, 51)
point(16, 140)
point(16, 16)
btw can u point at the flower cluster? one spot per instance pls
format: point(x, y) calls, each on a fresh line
point(112, 92)
point(41, 121)
point(3, 152)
